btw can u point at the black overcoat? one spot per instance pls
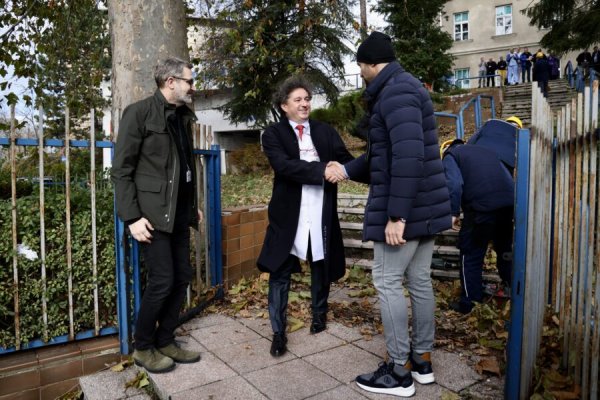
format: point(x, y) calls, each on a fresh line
point(280, 145)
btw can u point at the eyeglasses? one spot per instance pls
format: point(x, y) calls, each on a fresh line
point(189, 81)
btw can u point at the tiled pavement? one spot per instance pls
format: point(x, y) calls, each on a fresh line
point(236, 364)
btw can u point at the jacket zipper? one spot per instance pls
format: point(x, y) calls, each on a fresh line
point(172, 186)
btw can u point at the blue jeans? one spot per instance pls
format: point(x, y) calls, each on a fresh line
point(392, 266)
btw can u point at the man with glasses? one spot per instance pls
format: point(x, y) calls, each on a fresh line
point(154, 176)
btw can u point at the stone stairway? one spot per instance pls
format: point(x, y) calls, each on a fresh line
point(517, 98)
point(445, 263)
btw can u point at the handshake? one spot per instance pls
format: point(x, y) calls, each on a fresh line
point(334, 172)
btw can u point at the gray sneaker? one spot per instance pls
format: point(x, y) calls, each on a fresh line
point(180, 355)
point(153, 361)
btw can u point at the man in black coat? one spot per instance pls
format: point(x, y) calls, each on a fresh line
point(541, 72)
point(491, 68)
point(303, 221)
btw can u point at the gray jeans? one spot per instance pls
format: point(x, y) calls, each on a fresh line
point(392, 265)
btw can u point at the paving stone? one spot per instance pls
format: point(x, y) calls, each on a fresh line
point(489, 389)
point(203, 321)
point(452, 371)
point(188, 376)
point(250, 356)
point(110, 385)
point(422, 392)
point(236, 388)
point(259, 325)
point(303, 343)
point(344, 363)
point(376, 345)
point(343, 332)
point(340, 392)
point(225, 334)
point(291, 380)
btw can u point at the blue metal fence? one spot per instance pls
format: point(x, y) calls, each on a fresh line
point(127, 269)
point(475, 104)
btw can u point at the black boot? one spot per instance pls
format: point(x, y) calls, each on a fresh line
point(319, 323)
point(278, 347)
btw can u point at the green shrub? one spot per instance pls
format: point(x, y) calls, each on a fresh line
point(30, 283)
point(249, 159)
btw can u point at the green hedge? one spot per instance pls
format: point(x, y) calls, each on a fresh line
point(30, 285)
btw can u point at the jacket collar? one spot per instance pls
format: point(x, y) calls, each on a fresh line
point(170, 108)
point(375, 86)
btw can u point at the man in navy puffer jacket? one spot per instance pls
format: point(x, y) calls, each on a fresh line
point(408, 203)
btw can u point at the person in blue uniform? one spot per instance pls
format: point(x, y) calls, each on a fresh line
point(483, 187)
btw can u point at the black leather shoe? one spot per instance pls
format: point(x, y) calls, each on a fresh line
point(319, 323)
point(278, 347)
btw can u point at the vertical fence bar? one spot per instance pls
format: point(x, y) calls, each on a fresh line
point(40, 135)
point(515, 339)
point(595, 259)
point(585, 284)
point(13, 187)
point(68, 220)
point(199, 193)
point(207, 259)
point(576, 320)
point(93, 212)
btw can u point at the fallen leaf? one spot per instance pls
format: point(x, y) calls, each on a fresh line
point(121, 366)
point(489, 365)
point(449, 396)
point(295, 324)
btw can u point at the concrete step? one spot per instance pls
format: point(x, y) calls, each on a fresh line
point(109, 384)
point(438, 273)
point(437, 250)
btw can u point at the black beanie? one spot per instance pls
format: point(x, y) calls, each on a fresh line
point(376, 49)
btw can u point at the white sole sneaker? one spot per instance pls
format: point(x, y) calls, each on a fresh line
point(423, 379)
point(397, 391)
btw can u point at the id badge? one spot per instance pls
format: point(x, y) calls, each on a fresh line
point(188, 176)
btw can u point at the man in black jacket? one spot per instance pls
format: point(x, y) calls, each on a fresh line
point(303, 220)
point(154, 176)
point(408, 204)
point(482, 186)
point(491, 68)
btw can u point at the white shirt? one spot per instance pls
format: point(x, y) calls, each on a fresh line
point(311, 205)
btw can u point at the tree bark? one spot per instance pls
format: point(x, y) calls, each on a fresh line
point(142, 33)
point(363, 19)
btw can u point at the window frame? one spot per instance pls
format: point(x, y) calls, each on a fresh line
point(462, 33)
point(461, 73)
point(501, 18)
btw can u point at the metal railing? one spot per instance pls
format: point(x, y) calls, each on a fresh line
point(475, 104)
point(61, 275)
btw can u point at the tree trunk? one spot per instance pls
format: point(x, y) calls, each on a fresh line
point(363, 19)
point(142, 33)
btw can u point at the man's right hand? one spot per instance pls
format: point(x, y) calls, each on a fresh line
point(140, 230)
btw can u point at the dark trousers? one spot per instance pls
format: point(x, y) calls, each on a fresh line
point(526, 73)
point(491, 81)
point(167, 261)
point(477, 230)
point(279, 288)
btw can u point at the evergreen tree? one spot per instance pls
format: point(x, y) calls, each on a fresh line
point(420, 43)
point(62, 48)
point(262, 42)
point(573, 24)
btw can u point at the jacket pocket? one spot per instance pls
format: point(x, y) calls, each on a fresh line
point(151, 192)
point(156, 142)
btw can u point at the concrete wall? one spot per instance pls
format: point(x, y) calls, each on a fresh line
point(483, 41)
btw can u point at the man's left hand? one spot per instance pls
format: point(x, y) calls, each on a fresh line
point(394, 232)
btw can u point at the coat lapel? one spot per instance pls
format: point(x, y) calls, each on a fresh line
point(319, 141)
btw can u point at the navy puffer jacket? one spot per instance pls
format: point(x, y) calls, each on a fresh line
point(402, 162)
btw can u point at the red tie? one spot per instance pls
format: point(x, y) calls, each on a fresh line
point(300, 129)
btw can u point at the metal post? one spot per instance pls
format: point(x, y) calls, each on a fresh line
point(13, 186)
point(68, 221)
point(515, 339)
point(93, 212)
point(42, 222)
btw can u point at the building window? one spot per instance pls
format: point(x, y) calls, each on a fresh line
point(461, 26)
point(504, 20)
point(460, 76)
